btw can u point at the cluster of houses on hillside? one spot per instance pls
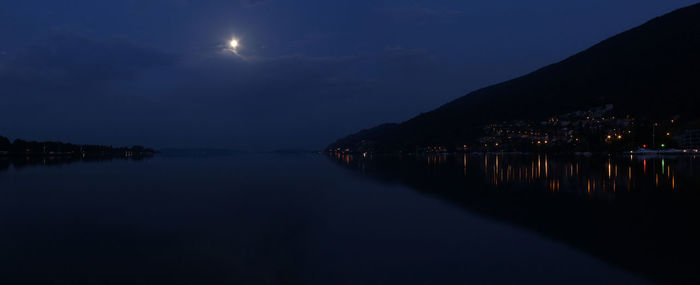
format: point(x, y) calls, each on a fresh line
point(593, 130)
point(580, 128)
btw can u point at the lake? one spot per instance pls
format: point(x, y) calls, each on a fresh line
point(343, 219)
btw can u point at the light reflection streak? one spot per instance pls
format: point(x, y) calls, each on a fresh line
point(583, 176)
point(550, 173)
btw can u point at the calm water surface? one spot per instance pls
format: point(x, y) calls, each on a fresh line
point(314, 219)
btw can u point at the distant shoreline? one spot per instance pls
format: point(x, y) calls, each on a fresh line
point(22, 148)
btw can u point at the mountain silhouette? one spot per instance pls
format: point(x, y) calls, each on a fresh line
point(651, 72)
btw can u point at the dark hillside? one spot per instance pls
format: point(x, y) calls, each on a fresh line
point(651, 72)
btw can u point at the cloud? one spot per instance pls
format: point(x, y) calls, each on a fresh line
point(251, 3)
point(420, 15)
point(69, 59)
point(211, 99)
point(295, 100)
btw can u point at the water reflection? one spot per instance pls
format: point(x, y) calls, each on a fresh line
point(612, 174)
point(639, 213)
point(578, 174)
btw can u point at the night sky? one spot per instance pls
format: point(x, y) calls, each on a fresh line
point(159, 72)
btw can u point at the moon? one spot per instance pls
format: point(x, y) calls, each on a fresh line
point(233, 44)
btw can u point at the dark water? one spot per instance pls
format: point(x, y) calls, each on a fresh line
point(312, 219)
